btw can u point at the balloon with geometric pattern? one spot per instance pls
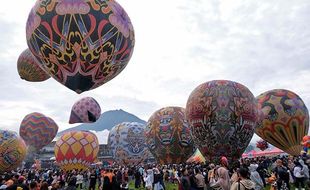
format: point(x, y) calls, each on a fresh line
point(168, 136)
point(127, 143)
point(29, 69)
point(82, 43)
point(284, 120)
point(85, 110)
point(12, 151)
point(38, 130)
point(223, 117)
point(76, 150)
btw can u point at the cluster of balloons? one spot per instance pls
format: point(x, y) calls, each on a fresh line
point(82, 45)
point(262, 144)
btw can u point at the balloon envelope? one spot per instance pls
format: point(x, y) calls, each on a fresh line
point(85, 110)
point(284, 120)
point(38, 130)
point(76, 150)
point(82, 44)
point(127, 143)
point(28, 68)
point(12, 151)
point(222, 115)
point(168, 136)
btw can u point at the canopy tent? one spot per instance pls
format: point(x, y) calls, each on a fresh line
point(272, 152)
point(197, 157)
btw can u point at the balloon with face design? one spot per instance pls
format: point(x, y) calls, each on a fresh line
point(80, 43)
point(127, 143)
point(223, 116)
point(284, 120)
point(168, 136)
point(12, 151)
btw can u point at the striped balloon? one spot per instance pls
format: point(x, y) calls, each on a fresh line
point(38, 130)
point(28, 68)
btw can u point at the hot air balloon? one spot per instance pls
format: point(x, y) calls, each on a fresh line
point(12, 151)
point(222, 115)
point(29, 69)
point(285, 120)
point(86, 110)
point(168, 136)
point(37, 130)
point(82, 44)
point(76, 150)
point(127, 143)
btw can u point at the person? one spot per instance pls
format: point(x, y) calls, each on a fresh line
point(200, 179)
point(255, 177)
point(305, 169)
point(115, 185)
point(79, 181)
point(92, 180)
point(282, 175)
point(149, 179)
point(33, 185)
point(184, 180)
point(223, 181)
point(72, 184)
point(243, 183)
point(44, 186)
point(156, 183)
point(106, 183)
point(210, 180)
point(299, 175)
point(137, 179)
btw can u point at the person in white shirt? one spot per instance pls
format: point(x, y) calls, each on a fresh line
point(299, 176)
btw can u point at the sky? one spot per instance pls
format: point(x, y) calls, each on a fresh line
point(180, 44)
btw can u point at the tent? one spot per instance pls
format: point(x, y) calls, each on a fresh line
point(197, 157)
point(268, 152)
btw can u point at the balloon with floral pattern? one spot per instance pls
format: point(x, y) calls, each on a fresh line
point(223, 116)
point(82, 43)
point(85, 110)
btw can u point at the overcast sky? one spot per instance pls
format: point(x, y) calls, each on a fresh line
point(179, 44)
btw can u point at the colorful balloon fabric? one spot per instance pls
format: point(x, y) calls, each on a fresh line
point(28, 68)
point(12, 151)
point(223, 117)
point(82, 43)
point(306, 141)
point(38, 130)
point(285, 120)
point(76, 150)
point(262, 145)
point(127, 143)
point(168, 136)
point(86, 110)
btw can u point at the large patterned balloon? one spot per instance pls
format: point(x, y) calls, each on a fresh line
point(223, 116)
point(168, 135)
point(28, 68)
point(12, 151)
point(285, 120)
point(86, 110)
point(38, 130)
point(127, 143)
point(76, 150)
point(82, 43)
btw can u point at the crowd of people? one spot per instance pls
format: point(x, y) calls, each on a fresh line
point(246, 174)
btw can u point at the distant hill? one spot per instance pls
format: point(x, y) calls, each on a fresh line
point(107, 120)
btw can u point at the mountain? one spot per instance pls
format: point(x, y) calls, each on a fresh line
point(107, 120)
